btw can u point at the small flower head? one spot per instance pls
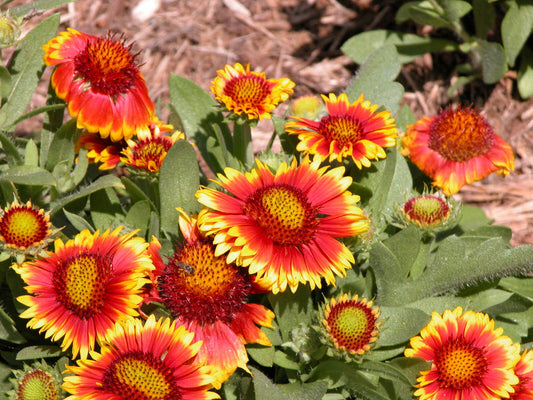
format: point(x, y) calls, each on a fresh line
point(78, 291)
point(248, 93)
point(36, 382)
point(350, 325)
point(154, 360)
point(309, 107)
point(101, 83)
point(348, 130)
point(523, 390)
point(284, 226)
point(456, 147)
point(100, 150)
point(10, 29)
point(470, 359)
point(150, 148)
point(431, 212)
point(210, 298)
point(24, 227)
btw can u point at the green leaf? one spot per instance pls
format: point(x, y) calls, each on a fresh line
point(78, 222)
point(5, 82)
point(138, 216)
point(292, 309)
point(493, 61)
point(488, 298)
point(136, 193)
point(198, 113)
point(285, 361)
point(37, 352)
point(374, 79)
point(400, 324)
point(106, 210)
point(484, 17)
point(101, 183)
point(63, 145)
point(12, 153)
point(455, 9)
point(521, 286)
point(26, 70)
point(408, 45)
point(31, 154)
point(29, 175)
point(179, 179)
point(39, 110)
point(264, 388)
point(422, 12)
point(39, 5)
point(516, 28)
point(304, 391)
point(525, 74)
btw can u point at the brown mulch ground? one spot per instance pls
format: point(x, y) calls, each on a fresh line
point(300, 39)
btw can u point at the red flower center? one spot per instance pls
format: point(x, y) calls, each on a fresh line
point(460, 365)
point(22, 226)
point(247, 90)
point(426, 210)
point(283, 213)
point(341, 128)
point(80, 283)
point(351, 324)
point(199, 286)
point(107, 66)
point(460, 135)
point(150, 150)
point(37, 384)
point(140, 376)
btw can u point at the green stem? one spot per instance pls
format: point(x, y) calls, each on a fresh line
point(242, 144)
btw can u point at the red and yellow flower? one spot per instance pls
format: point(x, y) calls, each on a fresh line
point(84, 286)
point(149, 149)
point(100, 150)
point(456, 147)
point(242, 91)
point(351, 324)
point(101, 83)
point(470, 358)
point(523, 390)
point(154, 360)
point(284, 226)
point(210, 298)
point(348, 130)
point(24, 227)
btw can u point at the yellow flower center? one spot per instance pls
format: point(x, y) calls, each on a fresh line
point(37, 385)
point(247, 90)
point(460, 135)
point(351, 324)
point(341, 128)
point(460, 365)
point(140, 376)
point(426, 210)
point(283, 213)
point(106, 66)
point(80, 283)
point(22, 226)
point(199, 286)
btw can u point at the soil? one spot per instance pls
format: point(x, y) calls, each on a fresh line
point(301, 39)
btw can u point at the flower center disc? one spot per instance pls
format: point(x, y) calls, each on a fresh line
point(283, 213)
point(202, 287)
point(460, 365)
point(351, 325)
point(151, 149)
point(460, 135)
point(341, 128)
point(80, 283)
point(247, 90)
point(22, 227)
point(37, 385)
point(139, 376)
point(107, 66)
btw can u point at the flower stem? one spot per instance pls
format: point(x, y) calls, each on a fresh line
point(242, 144)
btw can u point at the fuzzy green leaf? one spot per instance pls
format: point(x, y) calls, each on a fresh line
point(39, 5)
point(400, 324)
point(493, 61)
point(179, 179)
point(12, 153)
point(525, 74)
point(304, 391)
point(31, 154)
point(29, 175)
point(422, 12)
point(484, 17)
point(37, 352)
point(78, 222)
point(26, 70)
point(374, 79)
point(5, 82)
point(292, 309)
point(264, 388)
point(516, 28)
point(63, 145)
